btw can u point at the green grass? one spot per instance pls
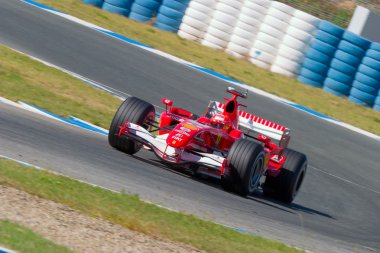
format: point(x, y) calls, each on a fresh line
point(42, 86)
point(131, 212)
point(23, 240)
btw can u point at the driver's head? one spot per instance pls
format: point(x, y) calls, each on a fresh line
point(220, 121)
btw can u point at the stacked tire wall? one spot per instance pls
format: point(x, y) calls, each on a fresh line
point(271, 35)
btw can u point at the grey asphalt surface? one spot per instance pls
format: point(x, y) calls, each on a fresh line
point(336, 210)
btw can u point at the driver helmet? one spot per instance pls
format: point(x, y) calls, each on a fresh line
point(220, 121)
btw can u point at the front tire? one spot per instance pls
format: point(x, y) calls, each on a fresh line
point(246, 160)
point(287, 184)
point(133, 110)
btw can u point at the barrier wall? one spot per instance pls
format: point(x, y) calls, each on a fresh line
point(271, 35)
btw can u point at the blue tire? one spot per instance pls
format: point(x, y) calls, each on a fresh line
point(358, 101)
point(318, 56)
point(150, 4)
point(342, 67)
point(372, 63)
point(114, 9)
point(367, 80)
point(364, 69)
point(310, 82)
point(137, 17)
point(365, 88)
point(327, 38)
point(323, 47)
point(125, 4)
point(347, 58)
point(342, 88)
point(375, 46)
point(376, 107)
point(351, 49)
point(377, 100)
point(339, 76)
point(171, 13)
point(363, 96)
point(331, 28)
point(356, 40)
point(165, 27)
point(334, 92)
point(373, 54)
point(177, 5)
point(315, 66)
point(167, 21)
point(141, 10)
point(307, 73)
point(97, 3)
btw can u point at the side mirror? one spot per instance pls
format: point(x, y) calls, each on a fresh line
point(167, 102)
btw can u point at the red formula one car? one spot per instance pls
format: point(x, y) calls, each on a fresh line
point(227, 143)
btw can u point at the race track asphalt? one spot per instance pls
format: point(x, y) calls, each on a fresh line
point(336, 210)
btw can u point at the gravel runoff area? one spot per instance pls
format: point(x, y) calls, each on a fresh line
point(65, 226)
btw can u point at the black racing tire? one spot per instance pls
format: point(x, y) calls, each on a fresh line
point(246, 160)
point(287, 184)
point(133, 110)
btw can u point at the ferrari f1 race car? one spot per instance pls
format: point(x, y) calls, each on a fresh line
point(241, 149)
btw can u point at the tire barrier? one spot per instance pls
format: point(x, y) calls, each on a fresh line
point(271, 32)
point(144, 10)
point(299, 34)
point(196, 20)
point(247, 26)
point(121, 7)
point(366, 85)
point(170, 14)
point(97, 3)
point(319, 55)
point(222, 24)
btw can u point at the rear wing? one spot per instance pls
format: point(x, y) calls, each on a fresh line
point(256, 124)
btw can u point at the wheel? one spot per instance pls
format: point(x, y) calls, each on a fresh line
point(132, 110)
point(246, 160)
point(286, 185)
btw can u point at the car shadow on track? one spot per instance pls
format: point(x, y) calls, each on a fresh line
point(257, 197)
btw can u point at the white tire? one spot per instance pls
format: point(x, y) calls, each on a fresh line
point(302, 25)
point(206, 2)
point(200, 7)
point(245, 34)
point(191, 30)
point(212, 45)
point(279, 70)
point(233, 3)
point(287, 64)
point(237, 48)
point(275, 22)
point(271, 31)
point(259, 63)
point(294, 43)
point(241, 41)
point(245, 26)
point(195, 23)
point(234, 54)
point(249, 5)
point(279, 14)
point(290, 53)
point(264, 3)
point(283, 7)
point(299, 34)
point(214, 40)
point(218, 33)
point(263, 56)
point(187, 36)
point(191, 12)
point(250, 20)
point(223, 17)
point(259, 45)
point(221, 26)
point(306, 17)
point(227, 9)
point(266, 38)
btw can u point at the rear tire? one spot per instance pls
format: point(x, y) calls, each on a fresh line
point(286, 185)
point(133, 110)
point(246, 160)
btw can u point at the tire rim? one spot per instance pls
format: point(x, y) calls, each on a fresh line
point(257, 172)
